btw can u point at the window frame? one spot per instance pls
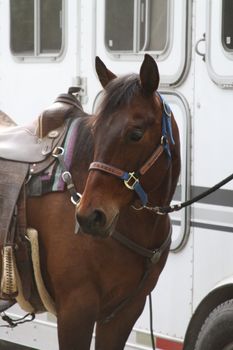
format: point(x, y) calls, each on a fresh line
point(37, 55)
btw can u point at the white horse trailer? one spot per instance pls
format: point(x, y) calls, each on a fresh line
point(48, 45)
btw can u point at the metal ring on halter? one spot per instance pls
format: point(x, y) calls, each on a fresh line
point(58, 151)
point(167, 109)
point(64, 176)
point(73, 201)
point(163, 140)
point(138, 208)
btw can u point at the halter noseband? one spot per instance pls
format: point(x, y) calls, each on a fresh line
point(131, 179)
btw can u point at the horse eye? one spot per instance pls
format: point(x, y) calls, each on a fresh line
point(136, 135)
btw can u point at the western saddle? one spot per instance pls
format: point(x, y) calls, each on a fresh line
point(25, 151)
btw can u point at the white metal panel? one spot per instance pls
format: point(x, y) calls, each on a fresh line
point(213, 260)
point(212, 142)
point(212, 123)
point(28, 87)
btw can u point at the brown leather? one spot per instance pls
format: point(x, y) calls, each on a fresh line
point(22, 251)
point(153, 158)
point(12, 176)
point(66, 105)
point(106, 168)
point(35, 142)
point(20, 143)
point(119, 173)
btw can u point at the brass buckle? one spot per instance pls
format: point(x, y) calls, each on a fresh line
point(131, 178)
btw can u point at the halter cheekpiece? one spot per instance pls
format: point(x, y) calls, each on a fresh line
point(131, 179)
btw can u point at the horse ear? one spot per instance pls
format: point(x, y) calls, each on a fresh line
point(105, 75)
point(149, 75)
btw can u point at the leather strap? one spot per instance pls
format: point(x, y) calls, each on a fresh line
point(107, 169)
point(153, 255)
point(153, 158)
point(69, 99)
point(120, 173)
point(131, 180)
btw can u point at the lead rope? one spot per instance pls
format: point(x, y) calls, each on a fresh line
point(179, 206)
point(151, 322)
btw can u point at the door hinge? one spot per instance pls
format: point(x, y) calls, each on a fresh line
point(81, 82)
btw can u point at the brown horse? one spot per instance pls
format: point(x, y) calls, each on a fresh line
point(126, 157)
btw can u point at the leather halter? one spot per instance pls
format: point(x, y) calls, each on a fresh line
point(131, 179)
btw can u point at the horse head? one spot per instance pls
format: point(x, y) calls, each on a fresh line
point(133, 148)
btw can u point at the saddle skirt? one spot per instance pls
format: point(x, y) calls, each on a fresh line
point(22, 144)
point(35, 142)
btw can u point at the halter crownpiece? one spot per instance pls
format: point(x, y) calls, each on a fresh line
point(131, 179)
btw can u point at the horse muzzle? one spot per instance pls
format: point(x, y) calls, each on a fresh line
point(96, 222)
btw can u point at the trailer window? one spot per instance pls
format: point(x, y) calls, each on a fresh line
point(136, 26)
point(36, 27)
point(227, 25)
point(119, 25)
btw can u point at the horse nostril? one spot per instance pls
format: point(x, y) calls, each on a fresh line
point(95, 220)
point(98, 218)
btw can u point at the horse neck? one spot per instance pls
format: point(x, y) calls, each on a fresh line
point(83, 153)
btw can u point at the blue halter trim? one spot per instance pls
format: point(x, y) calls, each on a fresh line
point(131, 181)
point(166, 126)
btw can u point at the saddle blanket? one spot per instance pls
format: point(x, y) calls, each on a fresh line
point(50, 180)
